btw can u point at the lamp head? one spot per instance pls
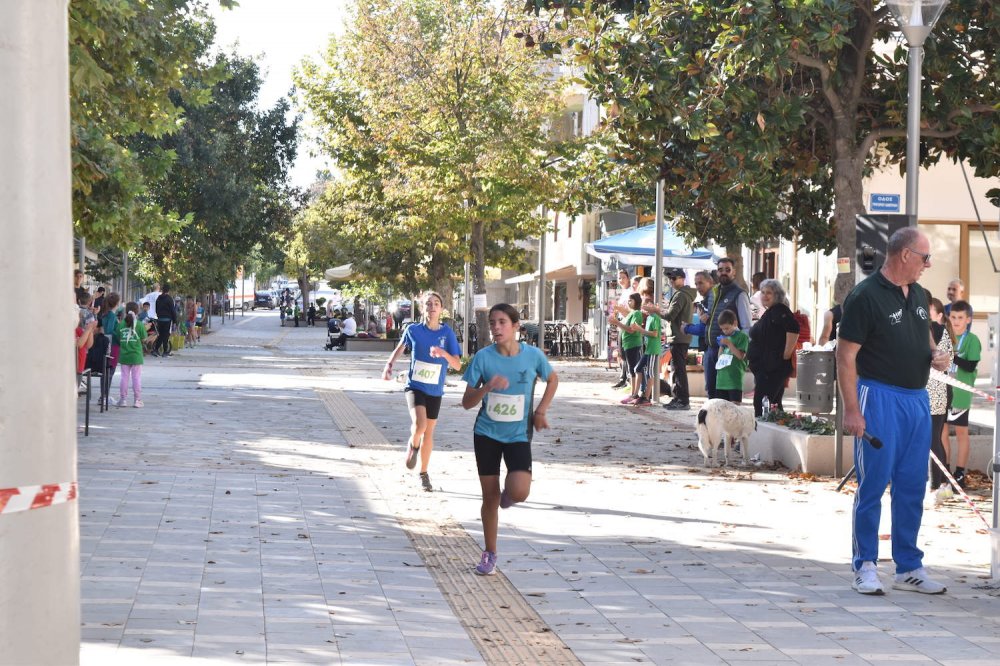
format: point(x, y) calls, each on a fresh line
point(916, 18)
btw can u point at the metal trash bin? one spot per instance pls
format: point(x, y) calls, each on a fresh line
point(816, 379)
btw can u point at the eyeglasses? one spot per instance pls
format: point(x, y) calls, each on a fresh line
point(925, 257)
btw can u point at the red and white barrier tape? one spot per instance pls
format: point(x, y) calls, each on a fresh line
point(26, 498)
point(958, 488)
point(939, 376)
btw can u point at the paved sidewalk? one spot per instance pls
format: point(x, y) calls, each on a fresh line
point(258, 509)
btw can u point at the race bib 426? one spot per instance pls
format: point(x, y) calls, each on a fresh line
point(503, 407)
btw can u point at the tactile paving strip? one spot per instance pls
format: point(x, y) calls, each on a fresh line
point(501, 623)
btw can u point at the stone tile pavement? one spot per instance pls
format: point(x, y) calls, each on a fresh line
point(258, 510)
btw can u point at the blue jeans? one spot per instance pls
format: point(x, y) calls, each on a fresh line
point(708, 361)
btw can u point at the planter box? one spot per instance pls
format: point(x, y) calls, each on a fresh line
point(370, 344)
point(799, 450)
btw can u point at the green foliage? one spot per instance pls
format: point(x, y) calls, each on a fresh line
point(126, 59)
point(804, 422)
point(229, 179)
point(762, 117)
point(434, 114)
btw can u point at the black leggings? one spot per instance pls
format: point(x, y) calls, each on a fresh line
point(937, 448)
point(770, 385)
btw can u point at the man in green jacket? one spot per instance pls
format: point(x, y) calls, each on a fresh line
point(677, 314)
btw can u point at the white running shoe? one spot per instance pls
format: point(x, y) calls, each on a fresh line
point(917, 581)
point(866, 580)
point(138, 404)
point(120, 403)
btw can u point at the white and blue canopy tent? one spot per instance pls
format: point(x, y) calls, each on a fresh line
point(638, 248)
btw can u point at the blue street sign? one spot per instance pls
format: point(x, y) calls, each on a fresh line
point(884, 203)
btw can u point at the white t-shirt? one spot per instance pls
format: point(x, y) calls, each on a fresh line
point(151, 299)
point(350, 326)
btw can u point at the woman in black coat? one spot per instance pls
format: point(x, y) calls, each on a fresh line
point(772, 343)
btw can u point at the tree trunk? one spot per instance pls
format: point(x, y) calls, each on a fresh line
point(442, 283)
point(736, 254)
point(848, 204)
point(478, 271)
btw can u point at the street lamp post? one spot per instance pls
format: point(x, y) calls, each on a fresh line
point(916, 19)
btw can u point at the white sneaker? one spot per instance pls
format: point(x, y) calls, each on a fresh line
point(120, 402)
point(917, 581)
point(138, 404)
point(866, 580)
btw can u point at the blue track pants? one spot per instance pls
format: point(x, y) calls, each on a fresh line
point(901, 419)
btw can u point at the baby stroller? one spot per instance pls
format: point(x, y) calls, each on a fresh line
point(332, 333)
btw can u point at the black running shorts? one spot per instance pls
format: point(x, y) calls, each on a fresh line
point(516, 455)
point(431, 403)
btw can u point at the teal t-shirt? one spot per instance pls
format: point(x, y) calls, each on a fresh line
point(632, 340)
point(969, 348)
point(505, 415)
point(730, 377)
point(653, 345)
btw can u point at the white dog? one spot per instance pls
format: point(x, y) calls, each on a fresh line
point(726, 421)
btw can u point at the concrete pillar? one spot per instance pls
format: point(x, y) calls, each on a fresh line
point(39, 548)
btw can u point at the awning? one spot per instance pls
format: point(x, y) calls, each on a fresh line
point(560, 274)
point(638, 247)
point(345, 272)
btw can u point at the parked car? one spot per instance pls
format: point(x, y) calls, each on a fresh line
point(262, 299)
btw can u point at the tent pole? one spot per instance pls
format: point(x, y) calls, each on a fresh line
point(658, 273)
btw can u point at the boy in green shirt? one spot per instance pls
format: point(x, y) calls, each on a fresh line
point(650, 363)
point(968, 351)
point(732, 363)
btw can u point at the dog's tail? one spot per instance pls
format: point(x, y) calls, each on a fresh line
point(704, 438)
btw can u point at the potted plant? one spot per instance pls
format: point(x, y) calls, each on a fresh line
point(799, 441)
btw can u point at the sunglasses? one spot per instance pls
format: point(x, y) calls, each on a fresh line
point(926, 257)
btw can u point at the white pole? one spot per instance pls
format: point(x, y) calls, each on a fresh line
point(658, 272)
point(39, 548)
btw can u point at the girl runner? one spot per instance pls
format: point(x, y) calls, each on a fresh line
point(502, 377)
point(434, 348)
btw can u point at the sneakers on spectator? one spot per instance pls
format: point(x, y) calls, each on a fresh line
point(678, 405)
point(629, 400)
point(866, 580)
point(154, 353)
point(620, 384)
point(917, 581)
point(642, 401)
point(411, 456)
point(425, 481)
point(120, 402)
point(505, 501)
point(960, 477)
point(138, 404)
point(487, 564)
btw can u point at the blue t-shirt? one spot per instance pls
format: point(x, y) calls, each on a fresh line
point(427, 374)
point(506, 415)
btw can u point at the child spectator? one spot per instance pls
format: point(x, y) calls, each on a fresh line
point(144, 313)
point(131, 332)
point(731, 364)
point(84, 341)
point(650, 362)
point(968, 351)
point(190, 316)
point(87, 315)
point(631, 343)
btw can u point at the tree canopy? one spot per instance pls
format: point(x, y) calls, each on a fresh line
point(229, 178)
point(763, 118)
point(435, 115)
point(126, 56)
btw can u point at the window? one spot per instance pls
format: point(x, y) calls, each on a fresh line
point(982, 289)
